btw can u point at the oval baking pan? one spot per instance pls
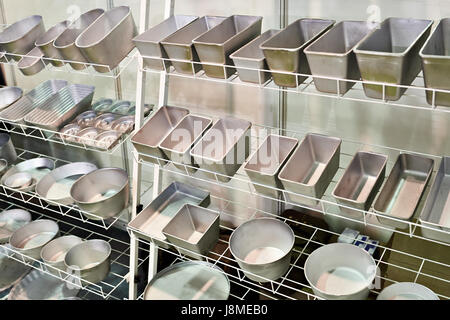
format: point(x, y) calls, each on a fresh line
point(45, 43)
point(65, 42)
point(115, 26)
point(32, 63)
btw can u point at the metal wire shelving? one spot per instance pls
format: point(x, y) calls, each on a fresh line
point(293, 284)
point(113, 287)
point(413, 98)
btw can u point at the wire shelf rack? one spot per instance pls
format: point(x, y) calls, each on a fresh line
point(33, 199)
point(413, 98)
point(88, 70)
point(327, 205)
point(113, 287)
point(293, 285)
point(60, 138)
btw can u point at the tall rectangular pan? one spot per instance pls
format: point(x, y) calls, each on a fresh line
point(403, 189)
point(152, 133)
point(179, 45)
point(62, 107)
point(179, 142)
point(224, 147)
point(31, 100)
point(311, 168)
point(150, 222)
point(360, 183)
point(215, 45)
point(332, 55)
point(284, 51)
point(149, 42)
point(435, 56)
point(251, 56)
point(391, 55)
point(265, 163)
point(436, 212)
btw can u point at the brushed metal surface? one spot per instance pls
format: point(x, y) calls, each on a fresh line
point(45, 42)
point(9, 95)
point(32, 63)
point(54, 252)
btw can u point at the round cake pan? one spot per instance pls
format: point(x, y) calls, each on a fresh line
point(30, 239)
point(262, 248)
point(10, 221)
point(107, 139)
point(9, 95)
point(123, 124)
point(340, 271)
point(7, 150)
point(89, 260)
point(104, 192)
point(189, 280)
point(55, 186)
point(407, 291)
point(69, 132)
point(87, 136)
point(20, 181)
point(104, 121)
point(54, 252)
point(86, 119)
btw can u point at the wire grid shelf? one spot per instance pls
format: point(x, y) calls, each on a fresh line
point(113, 287)
point(293, 285)
point(413, 98)
point(72, 211)
point(65, 139)
point(88, 67)
point(327, 205)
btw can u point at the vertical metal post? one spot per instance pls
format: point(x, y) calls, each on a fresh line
point(7, 67)
point(136, 181)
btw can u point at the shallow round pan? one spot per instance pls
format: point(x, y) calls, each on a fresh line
point(45, 43)
point(19, 37)
point(9, 95)
point(407, 291)
point(189, 280)
point(10, 221)
point(55, 186)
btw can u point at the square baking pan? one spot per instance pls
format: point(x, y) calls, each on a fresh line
point(179, 46)
point(223, 148)
point(61, 107)
point(194, 231)
point(284, 51)
point(149, 42)
point(147, 139)
point(251, 56)
point(360, 183)
point(215, 45)
point(331, 55)
point(31, 100)
point(311, 168)
point(436, 212)
point(403, 190)
point(435, 56)
point(178, 143)
point(265, 163)
point(390, 55)
point(150, 222)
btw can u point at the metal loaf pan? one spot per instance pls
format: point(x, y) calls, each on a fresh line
point(39, 95)
point(436, 212)
point(284, 51)
point(61, 107)
point(32, 63)
point(19, 37)
point(179, 142)
point(65, 42)
point(265, 163)
point(311, 168)
point(215, 45)
point(251, 56)
point(150, 222)
point(99, 42)
point(224, 147)
point(332, 55)
point(45, 43)
point(435, 56)
point(195, 229)
point(147, 139)
point(179, 45)
point(149, 42)
point(390, 54)
point(360, 183)
point(9, 95)
point(403, 189)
